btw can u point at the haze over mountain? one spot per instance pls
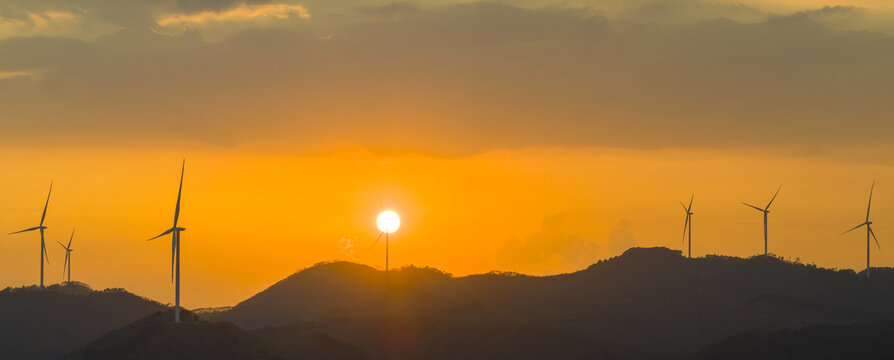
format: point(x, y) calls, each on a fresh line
point(47, 324)
point(649, 302)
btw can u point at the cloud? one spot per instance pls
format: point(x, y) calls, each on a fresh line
point(241, 12)
point(549, 250)
point(345, 249)
point(620, 238)
point(41, 23)
point(457, 79)
point(15, 74)
point(197, 6)
point(392, 10)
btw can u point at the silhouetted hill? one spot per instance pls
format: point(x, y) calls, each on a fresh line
point(338, 289)
point(864, 341)
point(156, 336)
point(47, 324)
point(650, 303)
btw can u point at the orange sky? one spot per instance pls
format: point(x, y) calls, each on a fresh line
point(253, 218)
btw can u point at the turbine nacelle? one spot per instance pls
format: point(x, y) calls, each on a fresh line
point(168, 231)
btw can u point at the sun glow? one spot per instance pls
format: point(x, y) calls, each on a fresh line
point(388, 221)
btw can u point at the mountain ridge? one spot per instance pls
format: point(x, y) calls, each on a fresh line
point(651, 302)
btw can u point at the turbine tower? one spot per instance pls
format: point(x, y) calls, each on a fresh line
point(43, 246)
point(68, 251)
point(766, 211)
point(387, 222)
point(869, 231)
point(688, 224)
point(175, 248)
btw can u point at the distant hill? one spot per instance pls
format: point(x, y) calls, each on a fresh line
point(819, 342)
point(156, 336)
point(49, 323)
point(649, 302)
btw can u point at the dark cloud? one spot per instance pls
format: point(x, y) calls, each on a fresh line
point(392, 10)
point(195, 6)
point(687, 11)
point(461, 79)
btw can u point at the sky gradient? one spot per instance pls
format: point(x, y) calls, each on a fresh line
point(529, 136)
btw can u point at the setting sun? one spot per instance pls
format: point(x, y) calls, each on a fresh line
point(388, 221)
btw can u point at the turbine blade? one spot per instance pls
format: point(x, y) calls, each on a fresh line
point(179, 191)
point(690, 203)
point(42, 217)
point(28, 229)
point(63, 246)
point(168, 231)
point(377, 239)
point(685, 225)
point(45, 252)
point(755, 207)
point(774, 198)
point(684, 207)
point(870, 200)
point(65, 265)
point(874, 238)
point(71, 238)
point(173, 251)
point(852, 229)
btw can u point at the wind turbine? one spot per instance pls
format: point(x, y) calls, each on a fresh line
point(387, 222)
point(43, 246)
point(68, 251)
point(688, 223)
point(766, 211)
point(869, 231)
point(175, 248)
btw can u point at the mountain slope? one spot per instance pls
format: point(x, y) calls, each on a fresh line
point(47, 324)
point(338, 289)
